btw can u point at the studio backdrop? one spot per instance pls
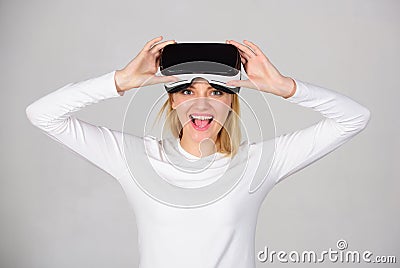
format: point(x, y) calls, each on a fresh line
point(59, 210)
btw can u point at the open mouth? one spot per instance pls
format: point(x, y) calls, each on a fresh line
point(201, 122)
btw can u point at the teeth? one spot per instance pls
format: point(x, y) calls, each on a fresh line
point(201, 117)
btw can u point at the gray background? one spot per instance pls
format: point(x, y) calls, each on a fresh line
point(57, 210)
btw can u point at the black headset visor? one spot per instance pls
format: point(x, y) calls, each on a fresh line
point(227, 55)
point(216, 62)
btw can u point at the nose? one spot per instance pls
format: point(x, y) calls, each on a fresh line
point(202, 102)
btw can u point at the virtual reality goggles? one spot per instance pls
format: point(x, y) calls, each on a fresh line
point(218, 63)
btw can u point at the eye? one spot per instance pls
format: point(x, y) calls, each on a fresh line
point(217, 92)
point(186, 90)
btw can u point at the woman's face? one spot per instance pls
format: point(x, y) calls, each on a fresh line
point(202, 110)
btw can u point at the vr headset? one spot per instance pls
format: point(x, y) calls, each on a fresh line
point(218, 63)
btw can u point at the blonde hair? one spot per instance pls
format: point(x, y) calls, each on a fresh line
point(228, 138)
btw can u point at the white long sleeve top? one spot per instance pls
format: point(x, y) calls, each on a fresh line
point(221, 234)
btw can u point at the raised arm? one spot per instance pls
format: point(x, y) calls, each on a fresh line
point(53, 113)
point(344, 118)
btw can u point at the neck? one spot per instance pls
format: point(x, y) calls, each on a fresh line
point(200, 149)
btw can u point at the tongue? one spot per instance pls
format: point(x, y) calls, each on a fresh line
point(200, 123)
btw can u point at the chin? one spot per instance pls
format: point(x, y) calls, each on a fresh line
point(199, 136)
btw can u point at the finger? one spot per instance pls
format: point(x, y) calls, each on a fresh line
point(161, 45)
point(244, 61)
point(163, 79)
point(243, 48)
point(158, 62)
point(253, 46)
point(241, 83)
point(148, 45)
point(244, 55)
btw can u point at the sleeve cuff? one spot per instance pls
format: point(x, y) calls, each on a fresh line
point(107, 85)
point(301, 92)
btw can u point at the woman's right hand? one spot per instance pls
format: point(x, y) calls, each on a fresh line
point(142, 69)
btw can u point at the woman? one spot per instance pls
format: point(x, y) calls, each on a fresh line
point(220, 234)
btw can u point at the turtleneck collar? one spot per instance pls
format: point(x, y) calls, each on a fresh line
point(188, 155)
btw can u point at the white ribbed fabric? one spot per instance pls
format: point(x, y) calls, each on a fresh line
point(221, 234)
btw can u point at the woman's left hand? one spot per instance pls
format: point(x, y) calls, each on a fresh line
point(262, 74)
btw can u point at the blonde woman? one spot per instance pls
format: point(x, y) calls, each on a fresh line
point(221, 234)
